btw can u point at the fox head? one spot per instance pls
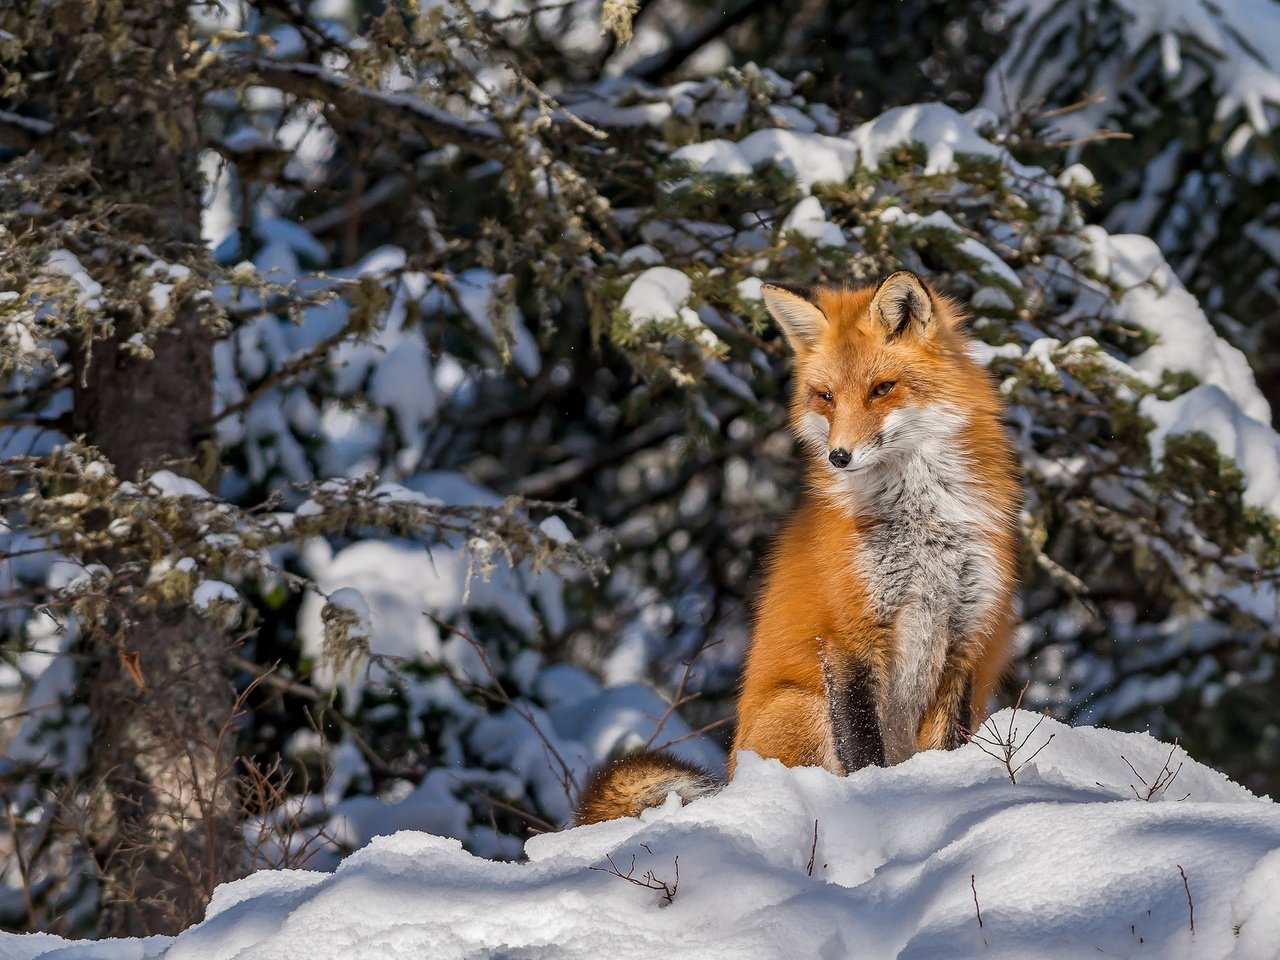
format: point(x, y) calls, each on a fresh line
point(880, 372)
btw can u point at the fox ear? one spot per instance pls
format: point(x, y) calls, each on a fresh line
point(903, 305)
point(796, 313)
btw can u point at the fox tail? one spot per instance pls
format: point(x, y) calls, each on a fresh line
point(622, 788)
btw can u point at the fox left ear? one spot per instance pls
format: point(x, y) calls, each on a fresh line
point(796, 313)
point(903, 305)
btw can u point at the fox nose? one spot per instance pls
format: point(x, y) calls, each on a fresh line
point(840, 457)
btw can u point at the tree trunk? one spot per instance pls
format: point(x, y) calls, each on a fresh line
point(162, 822)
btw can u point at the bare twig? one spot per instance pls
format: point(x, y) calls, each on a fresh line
point(1094, 137)
point(1006, 746)
point(973, 885)
point(30, 710)
point(680, 698)
point(378, 194)
point(288, 370)
point(1088, 100)
point(23, 133)
point(311, 82)
point(536, 823)
point(1162, 781)
point(553, 478)
point(1191, 907)
point(813, 850)
point(497, 693)
point(24, 869)
point(705, 728)
point(265, 795)
point(268, 675)
point(649, 881)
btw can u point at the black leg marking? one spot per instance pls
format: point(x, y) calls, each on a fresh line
point(855, 722)
point(962, 720)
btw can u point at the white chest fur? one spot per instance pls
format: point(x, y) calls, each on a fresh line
point(927, 557)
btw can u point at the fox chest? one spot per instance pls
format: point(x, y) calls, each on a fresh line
point(932, 580)
point(929, 578)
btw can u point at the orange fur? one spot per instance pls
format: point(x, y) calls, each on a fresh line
point(625, 787)
point(828, 652)
point(815, 597)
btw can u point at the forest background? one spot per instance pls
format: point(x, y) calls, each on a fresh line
point(392, 430)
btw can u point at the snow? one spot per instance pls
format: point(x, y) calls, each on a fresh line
point(1207, 409)
point(1227, 404)
point(1065, 863)
point(67, 264)
point(210, 592)
point(809, 158)
point(401, 583)
point(749, 289)
point(714, 156)
point(556, 529)
point(169, 484)
point(293, 236)
point(483, 296)
point(353, 602)
point(1229, 47)
point(245, 139)
point(1154, 299)
point(808, 219)
point(642, 255)
point(662, 294)
point(946, 135)
point(402, 383)
point(981, 257)
point(1077, 176)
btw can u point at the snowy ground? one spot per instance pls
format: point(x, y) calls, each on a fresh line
point(1065, 862)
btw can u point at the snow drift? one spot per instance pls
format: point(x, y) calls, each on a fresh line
point(1107, 843)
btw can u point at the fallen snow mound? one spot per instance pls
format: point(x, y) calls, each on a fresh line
point(1066, 862)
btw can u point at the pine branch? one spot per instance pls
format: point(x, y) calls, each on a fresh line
point(666, 61)
point(404, 111)
point(23, 133)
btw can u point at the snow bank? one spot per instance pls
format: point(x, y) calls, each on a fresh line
point(1064, 863)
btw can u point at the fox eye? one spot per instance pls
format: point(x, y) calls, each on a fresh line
point(825, 396)
point(884, 389)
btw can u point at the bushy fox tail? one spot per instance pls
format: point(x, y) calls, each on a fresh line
point(622, 788)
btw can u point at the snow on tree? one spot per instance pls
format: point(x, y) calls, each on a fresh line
point(486, 433)
point(1174, 106)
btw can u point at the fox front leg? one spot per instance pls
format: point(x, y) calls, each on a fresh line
point(948, 717)
point(853, 694)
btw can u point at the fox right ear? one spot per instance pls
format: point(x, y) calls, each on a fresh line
point(796, 313)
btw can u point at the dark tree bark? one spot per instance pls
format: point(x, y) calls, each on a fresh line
point(161, 766)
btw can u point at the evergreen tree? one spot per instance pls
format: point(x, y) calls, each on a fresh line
point(393, 502)
point(1174, 108)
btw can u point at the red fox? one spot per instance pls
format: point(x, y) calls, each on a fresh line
point(887, 609)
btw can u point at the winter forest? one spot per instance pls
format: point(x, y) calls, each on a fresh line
point(393, 431)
